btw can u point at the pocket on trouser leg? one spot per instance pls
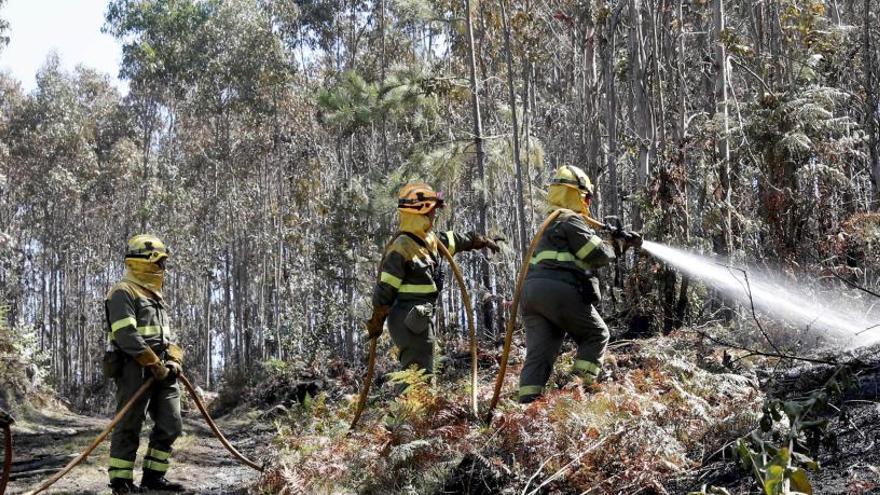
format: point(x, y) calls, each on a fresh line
point(587, 370)
point(112, 365)
point(591, 291)
point(418, 319)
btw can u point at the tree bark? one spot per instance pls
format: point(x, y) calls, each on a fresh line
point(721, 108)
point(613, 196)
point(872, 110)
point(641, 105)
point(520, 197)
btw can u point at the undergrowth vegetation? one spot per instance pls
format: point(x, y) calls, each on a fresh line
point(21, 376)
point(665, 405)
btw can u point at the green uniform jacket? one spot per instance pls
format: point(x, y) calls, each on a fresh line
point(137, 318)
point(411, 267)
point(570, 251)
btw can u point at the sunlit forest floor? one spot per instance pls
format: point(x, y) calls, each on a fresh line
point(47, 439)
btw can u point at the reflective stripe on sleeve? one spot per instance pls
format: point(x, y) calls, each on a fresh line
point(390, 280)
point(450, 239)
point(418, 289)
point(124, 322)
point(588, 248)
point(149, 330)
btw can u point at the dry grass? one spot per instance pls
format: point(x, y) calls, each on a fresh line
point(658, 414)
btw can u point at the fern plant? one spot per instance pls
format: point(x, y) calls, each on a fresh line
point(791, 433)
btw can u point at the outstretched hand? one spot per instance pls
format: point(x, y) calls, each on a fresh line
point(484, 242)
point(626, 239)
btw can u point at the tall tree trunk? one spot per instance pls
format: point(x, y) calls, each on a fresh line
point(721, 108)
point(641, 105)
point(480, 162)
point(520, 197)
point(872, 110)
point(613, 196)
point(475, 84)
point(591, 108)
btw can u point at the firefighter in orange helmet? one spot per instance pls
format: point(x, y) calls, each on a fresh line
point(411, 278)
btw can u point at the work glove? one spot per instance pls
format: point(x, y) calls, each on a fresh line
point(377, 321)
point(625, 239)
point(149, 359)
point(632, 240)
point(174, 369)
point(481, 241)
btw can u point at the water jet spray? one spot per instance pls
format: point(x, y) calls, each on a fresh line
point(772, 296)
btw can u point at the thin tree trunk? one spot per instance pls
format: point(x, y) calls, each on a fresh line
point(520, 198)
point(611, 113)
point(721, 107)
point(641, 106)
point(478, 122)
point(872, 110)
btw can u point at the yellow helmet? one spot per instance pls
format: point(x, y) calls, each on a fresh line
point(574, 177)
point(146, 247)
point(419, 198)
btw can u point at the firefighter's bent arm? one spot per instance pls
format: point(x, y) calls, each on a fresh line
point(122, 318)
point(585, 244)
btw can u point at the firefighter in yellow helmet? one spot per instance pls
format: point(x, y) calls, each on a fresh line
point(411, 278)
point(561, 286)
point(141, 345)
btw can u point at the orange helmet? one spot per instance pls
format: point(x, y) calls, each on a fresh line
point(419, 198)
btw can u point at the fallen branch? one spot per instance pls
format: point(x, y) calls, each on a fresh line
point(748, 288)
point(562, 470)
point(756, 352)
point(854, 285)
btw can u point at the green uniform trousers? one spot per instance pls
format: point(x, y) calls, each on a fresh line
point(413, 334)
point(162, 401)
point(551, 309)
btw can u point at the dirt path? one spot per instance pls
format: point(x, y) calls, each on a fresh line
point(47, 440)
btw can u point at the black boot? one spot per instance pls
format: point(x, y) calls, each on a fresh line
point(154, 480)
point(121, 486)
point(528, 399)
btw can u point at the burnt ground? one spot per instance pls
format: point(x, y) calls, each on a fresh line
point(46, 440)
point(849, 467)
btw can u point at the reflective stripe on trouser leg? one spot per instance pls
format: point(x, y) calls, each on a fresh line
point(157, 454)
point(587, 370)
point(526, 390)
point(121, 468)
point(157, 460)
point(161, 467)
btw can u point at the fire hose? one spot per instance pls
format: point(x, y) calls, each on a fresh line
point(6, 422)
point(511, 322)
point(121, 414)
point(371, 361)
point(217, 433)
point(100, 438)
point(469, 310)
